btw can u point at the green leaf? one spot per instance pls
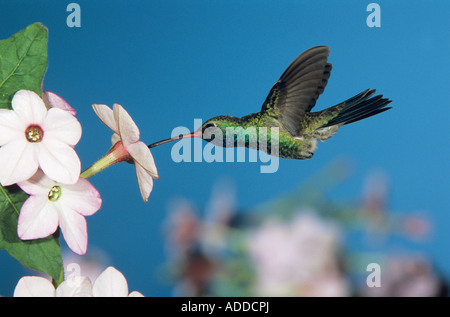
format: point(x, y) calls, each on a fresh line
point(41, 254)
point(23, 61)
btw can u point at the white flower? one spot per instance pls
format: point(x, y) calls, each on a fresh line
point(32, 136)
point(126, 146)
point(34, 286)
point(111, 283)
point(51, 204)
point(75, 286)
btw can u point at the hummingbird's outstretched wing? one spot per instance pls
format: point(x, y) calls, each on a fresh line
point(298, 88)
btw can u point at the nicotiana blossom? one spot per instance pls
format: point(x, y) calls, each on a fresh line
point(126, 147)
point(32, 136)
point(110, 283)
point(53, 204)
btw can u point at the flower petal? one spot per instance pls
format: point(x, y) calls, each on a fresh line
point(135, 294)
point(82, 197)
point(145, 181)
point(38, 218)
point(106, 115)
point(59, 161)
point(11, 126)
point(74, 229)
point(111, 283)
point(61, 125)
point(34, 286)
point(52, 100)
point(17, 162)
point(142, 155)
point(128, 130)
point(115, 138)
point(75, 286)
point(29, 106)
point(38, 184)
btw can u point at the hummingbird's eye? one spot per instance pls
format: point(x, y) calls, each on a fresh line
point(209, 125)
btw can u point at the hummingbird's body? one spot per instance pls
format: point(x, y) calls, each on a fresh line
point(287, 108)
point(248, 131)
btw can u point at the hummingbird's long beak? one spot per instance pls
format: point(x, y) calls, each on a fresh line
point(197, 133)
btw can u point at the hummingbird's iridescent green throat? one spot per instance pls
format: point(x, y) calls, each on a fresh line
point(288, 108)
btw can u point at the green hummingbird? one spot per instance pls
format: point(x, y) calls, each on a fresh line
point(288, 108)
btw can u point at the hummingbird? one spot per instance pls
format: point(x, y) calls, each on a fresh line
point(288, 107)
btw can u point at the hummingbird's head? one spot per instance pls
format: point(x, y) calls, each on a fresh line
point(209, 131)
point(211, 124)
point(214, 129)
point(220, 122)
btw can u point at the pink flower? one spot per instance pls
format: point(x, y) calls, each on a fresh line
point(32, 136)
point(53, 204)
point(126, 147)
point(299, 257)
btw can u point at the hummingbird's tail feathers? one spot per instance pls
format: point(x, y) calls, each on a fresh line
point(359, 107)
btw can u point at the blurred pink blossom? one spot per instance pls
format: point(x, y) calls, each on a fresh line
point(299, 258)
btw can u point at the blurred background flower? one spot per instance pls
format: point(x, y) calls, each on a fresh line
point(302, 244)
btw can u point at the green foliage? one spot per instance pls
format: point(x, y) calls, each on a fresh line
point(41, 254)
point(23, 62)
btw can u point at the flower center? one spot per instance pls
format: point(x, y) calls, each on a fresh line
point(54, 193)
point(34, 133)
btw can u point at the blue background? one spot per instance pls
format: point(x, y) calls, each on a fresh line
point(168, 62)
